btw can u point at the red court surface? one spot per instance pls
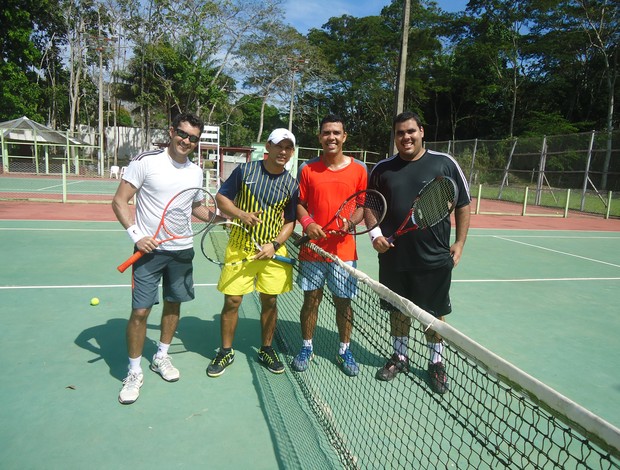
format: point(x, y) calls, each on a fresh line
point(21, 210)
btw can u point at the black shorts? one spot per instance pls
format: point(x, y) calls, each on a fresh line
point(428, 289)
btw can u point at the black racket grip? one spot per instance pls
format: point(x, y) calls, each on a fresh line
point(302, 240)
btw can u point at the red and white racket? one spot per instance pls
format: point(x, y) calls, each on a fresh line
point(435, 201)
point(359, 213)
point(186, 215)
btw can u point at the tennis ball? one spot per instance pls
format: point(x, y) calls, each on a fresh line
point(94, 301)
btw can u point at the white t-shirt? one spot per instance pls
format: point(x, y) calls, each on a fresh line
point(158, 178)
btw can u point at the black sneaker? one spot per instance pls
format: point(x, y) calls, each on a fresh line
point(393, 367)
point(221, 361)
point(268, 356)
point(438, 378)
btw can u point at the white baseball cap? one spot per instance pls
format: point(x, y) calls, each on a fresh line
point(278, 135)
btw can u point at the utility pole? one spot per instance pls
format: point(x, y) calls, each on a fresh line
point(101, 44)
point(296, 63)
point(399, 95)
point(101, 139)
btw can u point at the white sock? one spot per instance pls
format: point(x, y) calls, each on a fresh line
point(162, 350)
point(308, 343)
point(134, 364)
point(401, 344)
point(435, 349)
point(343, 348)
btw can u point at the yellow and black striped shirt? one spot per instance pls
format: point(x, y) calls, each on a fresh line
point(254, 189)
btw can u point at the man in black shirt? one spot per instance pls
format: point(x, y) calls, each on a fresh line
point(417, 265)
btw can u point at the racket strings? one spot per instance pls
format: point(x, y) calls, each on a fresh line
point(366, 208)
point(184, 218)
point(434, 204)
point(203, 214)
point(347, 215)
point(177, 220)
point(373, 210)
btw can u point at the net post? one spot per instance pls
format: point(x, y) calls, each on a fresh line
point(478, 200)
point(567, 203)
point(525, 201)
point(64, 183)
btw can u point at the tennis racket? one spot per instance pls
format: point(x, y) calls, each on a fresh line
point(367, 206)
point(187, 214)
point(435, 201)
point(219, 235)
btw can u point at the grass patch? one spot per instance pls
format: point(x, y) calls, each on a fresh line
point(555, 198)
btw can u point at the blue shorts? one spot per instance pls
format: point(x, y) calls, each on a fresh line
point(313, 274)
point(173, 268)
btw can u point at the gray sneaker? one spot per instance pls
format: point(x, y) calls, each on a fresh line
point(438, 378)
point(163, 366)
point(131, 388)
point(393, 367)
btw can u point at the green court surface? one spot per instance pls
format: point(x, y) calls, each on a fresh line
point(45, 186)
point(545, 301)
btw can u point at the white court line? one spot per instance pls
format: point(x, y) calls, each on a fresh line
point(58, 185)
point(560, 252)
point(594, 236)
point(101, 286)
point(8, 229)
point(551, 279)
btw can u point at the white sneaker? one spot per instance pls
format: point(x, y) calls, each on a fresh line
point(131, 387)
point(163, 366)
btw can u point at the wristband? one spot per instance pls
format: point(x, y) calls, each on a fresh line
point(135, 233)
point(306, 220)
point(374, 233)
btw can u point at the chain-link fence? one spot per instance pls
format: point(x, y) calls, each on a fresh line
point(587, 164)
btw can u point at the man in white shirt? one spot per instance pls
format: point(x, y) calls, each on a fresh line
point(154, 177)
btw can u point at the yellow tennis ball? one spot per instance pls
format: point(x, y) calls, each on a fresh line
point(94, 301)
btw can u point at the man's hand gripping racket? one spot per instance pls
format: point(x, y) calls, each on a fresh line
point(435, 201)
point(186, 215)
point(359, 213)
point(218, 236)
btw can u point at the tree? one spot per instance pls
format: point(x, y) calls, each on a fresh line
point(364, 55)
point(590, 32)
point(27, 26)
point(274, 57)
point(500, 26)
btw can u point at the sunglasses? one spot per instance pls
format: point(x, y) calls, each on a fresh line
point(184, 135)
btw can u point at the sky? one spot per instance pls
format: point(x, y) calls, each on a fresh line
point(306, 14)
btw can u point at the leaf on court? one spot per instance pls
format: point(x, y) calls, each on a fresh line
point(72, 387)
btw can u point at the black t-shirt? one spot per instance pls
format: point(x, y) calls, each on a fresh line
point(400, 181)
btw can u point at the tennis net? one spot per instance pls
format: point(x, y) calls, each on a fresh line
point(494, 415)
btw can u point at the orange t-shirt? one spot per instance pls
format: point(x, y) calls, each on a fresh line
point(323, 191)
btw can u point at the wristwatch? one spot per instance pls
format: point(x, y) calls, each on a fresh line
point(276, 245)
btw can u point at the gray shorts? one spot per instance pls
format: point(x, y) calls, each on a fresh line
point(173, 268)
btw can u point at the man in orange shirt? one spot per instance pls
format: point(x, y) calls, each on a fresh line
point(324, 183)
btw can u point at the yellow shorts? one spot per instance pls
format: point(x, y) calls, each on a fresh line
point(266, 276)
